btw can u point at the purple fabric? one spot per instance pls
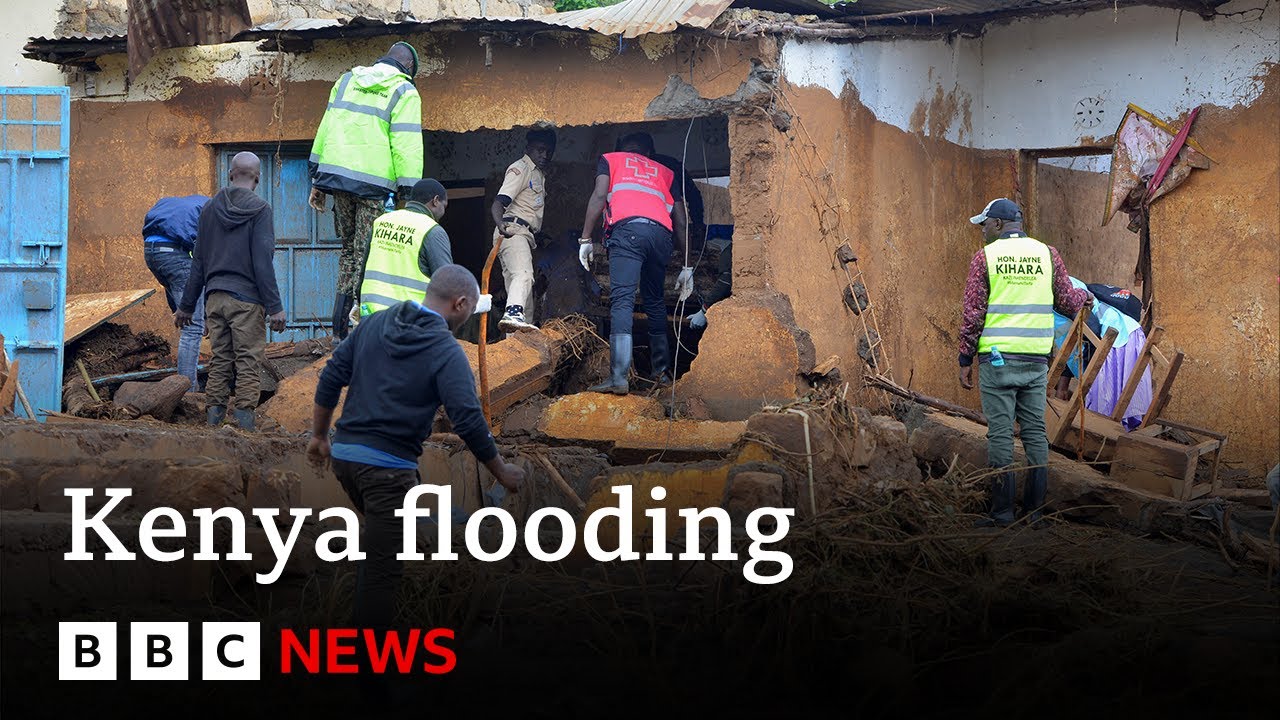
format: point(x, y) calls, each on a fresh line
point(1106, 389)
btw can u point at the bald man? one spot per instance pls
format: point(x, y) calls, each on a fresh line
point(231, 268)
point(399, 366)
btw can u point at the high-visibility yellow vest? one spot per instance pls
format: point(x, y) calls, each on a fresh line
point(1020, 304)
point(370, 139)
point(391, 273)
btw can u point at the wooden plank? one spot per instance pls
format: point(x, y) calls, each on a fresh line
point(1142, 479)
point(462, 193)
point(1217, 460)
point(1076, 403)
point(1200, 490)
point(1088, 335)
point(1135, 377)
point(1162, 397)
point(9, 390)
point(1153, 464)
point(1259, 497)
point(87, 311)
point(1064, 353)
point(1206, 447)
point(1190, 428)
point(1101, 432)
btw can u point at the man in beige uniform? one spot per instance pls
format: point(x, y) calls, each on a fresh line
point(517, 213)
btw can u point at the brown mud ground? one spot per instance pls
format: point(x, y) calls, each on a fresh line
point(896, 606)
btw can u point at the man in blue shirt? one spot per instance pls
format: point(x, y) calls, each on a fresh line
point(399, 366)
point(169, 237)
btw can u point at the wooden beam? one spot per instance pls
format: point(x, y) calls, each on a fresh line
point(1162, 397)
point(1076, 405)
point(1091, 337)
point(1135, 377)
point(890, 16)
point(1060, 358)
point(1190, 428)
point(884, 383)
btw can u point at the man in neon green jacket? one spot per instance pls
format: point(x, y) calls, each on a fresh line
point(368, 146)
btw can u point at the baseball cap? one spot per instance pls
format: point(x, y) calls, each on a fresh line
point(1000, 209)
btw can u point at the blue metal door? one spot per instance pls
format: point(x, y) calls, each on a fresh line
point(34, 150)
point(306, 259)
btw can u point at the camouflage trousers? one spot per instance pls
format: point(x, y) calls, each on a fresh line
point(353, 218)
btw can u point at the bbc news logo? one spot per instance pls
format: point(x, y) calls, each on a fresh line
point(233, 651)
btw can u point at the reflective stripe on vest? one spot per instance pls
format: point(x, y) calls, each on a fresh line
point(638, 187)
point(391, 273)
point(1020, 304)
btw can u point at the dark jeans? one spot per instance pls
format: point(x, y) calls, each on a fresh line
point(377, 493)
point(172, 267)
point(638, 254)
point(238, 340)
point(1014, 391)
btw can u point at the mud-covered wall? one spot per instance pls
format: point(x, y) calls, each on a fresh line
point(1070, 204)
point(906, 163)
point(1215, 248)
point(900, 200)
point(158, 136)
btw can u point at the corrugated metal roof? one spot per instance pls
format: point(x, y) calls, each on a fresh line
point(638, 17)
point(77, 37)
point(978, 8)
point(629, 19)
point(792, 7)
point(158, 24)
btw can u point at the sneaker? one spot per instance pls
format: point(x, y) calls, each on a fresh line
point(514, 320)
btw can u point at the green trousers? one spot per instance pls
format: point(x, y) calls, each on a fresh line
point(1014, 391)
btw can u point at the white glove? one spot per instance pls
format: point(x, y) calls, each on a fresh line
point(484, 304)
point(698, 320)
point(353, 317)
point(585, 251)
point(684, 283)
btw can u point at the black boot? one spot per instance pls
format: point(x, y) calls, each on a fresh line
point(620, 362)
point(217, 414)
point(1003, 488)
point(341, 312)
point(1035, 485)
point(660, 360)
point(244, 419)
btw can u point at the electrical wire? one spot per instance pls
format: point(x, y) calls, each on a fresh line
point(678, 317)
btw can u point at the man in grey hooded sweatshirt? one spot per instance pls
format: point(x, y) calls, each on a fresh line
point(231, 266)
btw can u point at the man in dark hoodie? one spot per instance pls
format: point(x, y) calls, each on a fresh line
point(399, 365)
point(231, 267)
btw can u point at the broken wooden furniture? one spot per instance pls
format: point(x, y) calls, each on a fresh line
point(1063, 420)
point(1144, 460)
point(1140, 458)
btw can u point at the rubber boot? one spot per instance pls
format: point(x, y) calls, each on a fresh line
point(341, 311)
point(660, 360)
point(1034, 487)
point(244, 419)
point(620, 363)
point(217, 414)
point(1003, 488)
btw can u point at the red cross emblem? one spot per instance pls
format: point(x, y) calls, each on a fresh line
point(641, 167)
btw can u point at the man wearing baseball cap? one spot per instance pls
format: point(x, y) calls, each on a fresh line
point(1015, 284)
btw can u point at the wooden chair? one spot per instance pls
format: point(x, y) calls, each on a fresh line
point(1139, 458)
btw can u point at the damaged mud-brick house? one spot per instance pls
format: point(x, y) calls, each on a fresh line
point(840, 148)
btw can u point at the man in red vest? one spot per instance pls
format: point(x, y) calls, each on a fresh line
point(642, 204)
